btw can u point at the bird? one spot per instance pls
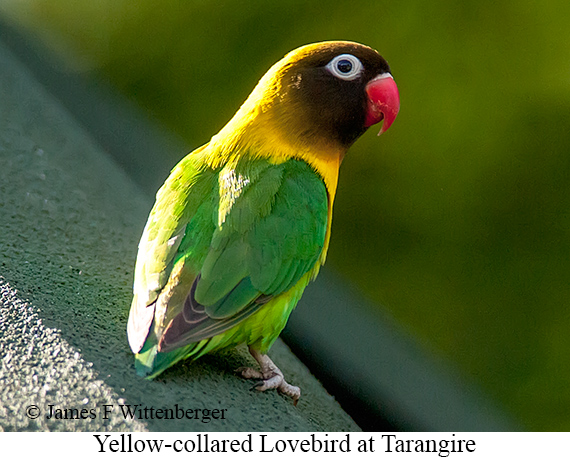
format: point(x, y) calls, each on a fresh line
point(243, 223)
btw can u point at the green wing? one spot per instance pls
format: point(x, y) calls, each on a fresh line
point(219, 244)
point(271, 227)
point(187, 192)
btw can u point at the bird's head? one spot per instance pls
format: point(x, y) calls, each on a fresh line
point(340, 87)
point(321, 96)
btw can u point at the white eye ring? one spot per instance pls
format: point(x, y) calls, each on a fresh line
point(345, 66)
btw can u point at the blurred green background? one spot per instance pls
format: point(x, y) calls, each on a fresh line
point(457, 220)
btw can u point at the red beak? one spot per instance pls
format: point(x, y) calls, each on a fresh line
point(383, 101)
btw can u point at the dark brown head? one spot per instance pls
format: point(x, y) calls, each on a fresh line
point(328, 84)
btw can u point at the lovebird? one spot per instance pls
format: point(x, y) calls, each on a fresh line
point(243, 223)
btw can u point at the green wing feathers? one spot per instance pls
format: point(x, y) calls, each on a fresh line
point(188, 192)
point(221, 245)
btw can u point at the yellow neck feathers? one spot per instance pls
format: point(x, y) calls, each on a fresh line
point(268, 125)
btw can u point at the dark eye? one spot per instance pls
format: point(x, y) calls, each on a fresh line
point(345, 66)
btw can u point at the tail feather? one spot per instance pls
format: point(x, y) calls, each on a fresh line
point(149, 362)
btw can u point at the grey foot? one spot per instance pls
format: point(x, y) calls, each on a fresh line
point(270, 376)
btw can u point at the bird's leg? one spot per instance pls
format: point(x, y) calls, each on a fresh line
point(270, 375)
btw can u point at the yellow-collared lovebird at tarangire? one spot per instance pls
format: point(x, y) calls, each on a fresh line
point(243, 223)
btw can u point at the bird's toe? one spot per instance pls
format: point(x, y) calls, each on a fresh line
point(249, 373)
